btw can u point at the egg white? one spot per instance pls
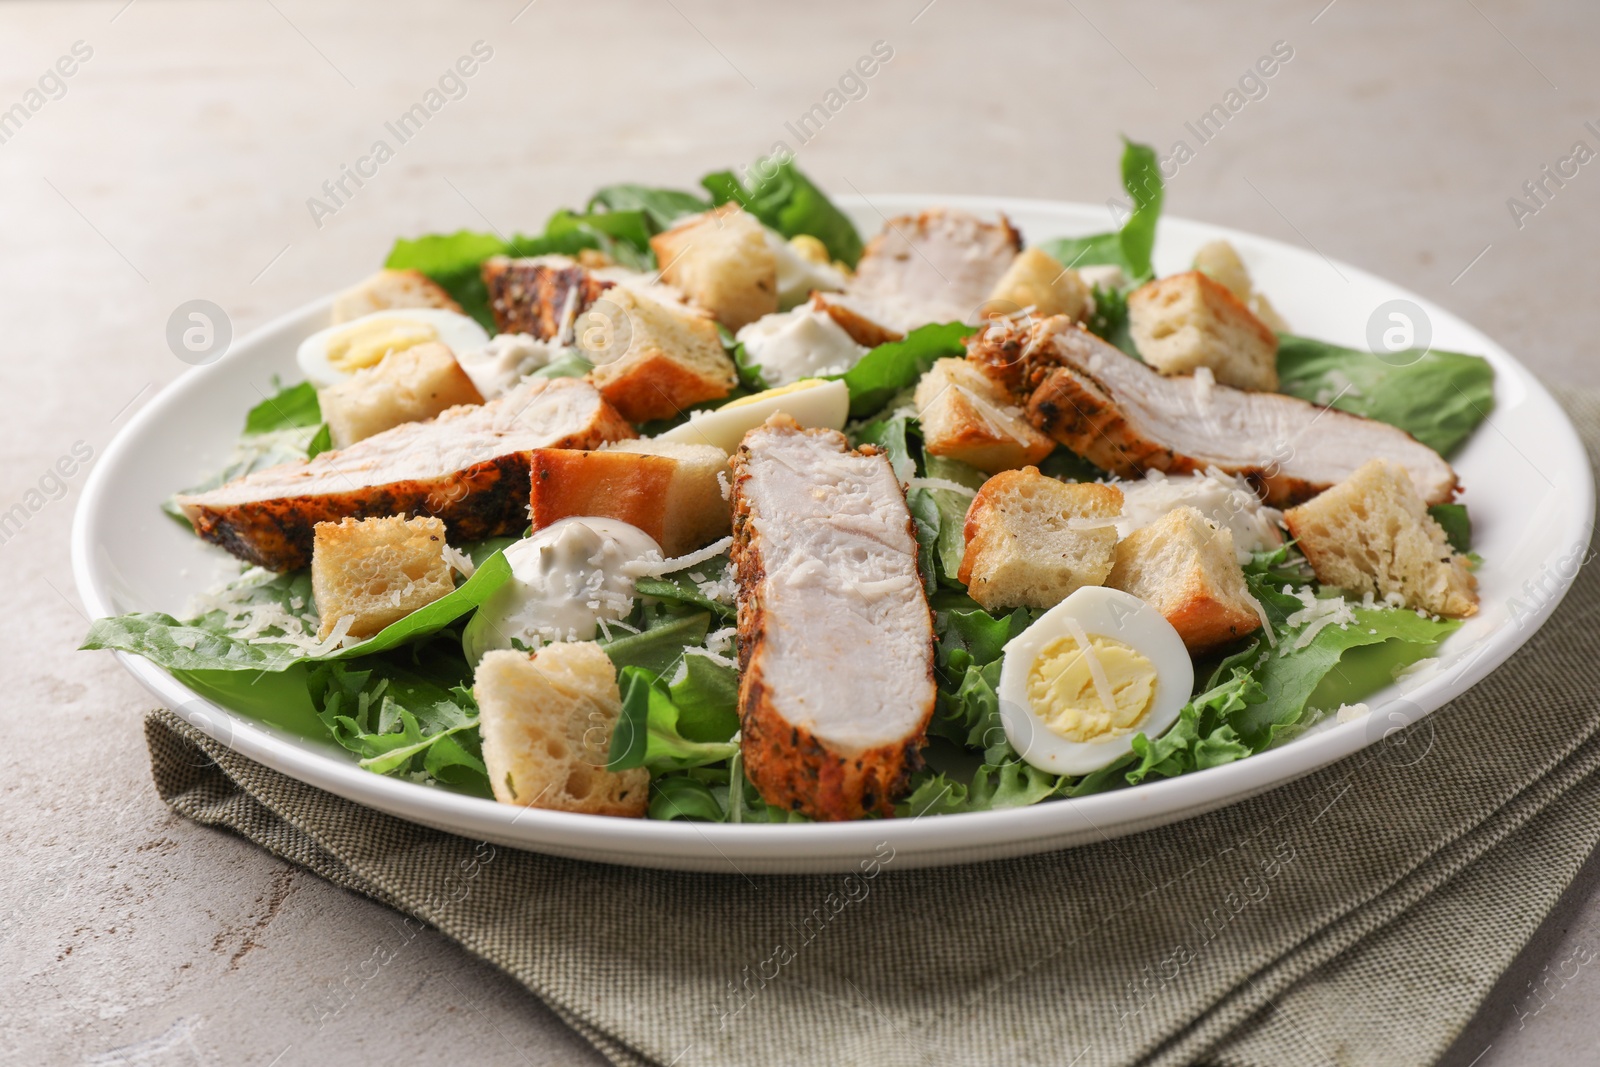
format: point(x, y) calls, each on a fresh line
point(456, 331)
point(1102, 612)
point(823, 405)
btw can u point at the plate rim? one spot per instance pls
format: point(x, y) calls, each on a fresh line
point(810, 846)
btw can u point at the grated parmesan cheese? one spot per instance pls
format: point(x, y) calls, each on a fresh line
point(1317, 615)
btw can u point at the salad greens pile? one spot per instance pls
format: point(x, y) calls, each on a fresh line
point(401, 701)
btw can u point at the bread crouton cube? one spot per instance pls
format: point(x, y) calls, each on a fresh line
point(406, 386)
point(667, 489)
point(722, 262)
point(1187, 569)
point(391, 289)
point(968, 415)
point(540, 295)
point(1033, 540)
point(1220, 260)
point(1372, 533)
point(1037, 280)
point(546, 721)
point(652, 360)
point(376, 571)
point(1187, 321)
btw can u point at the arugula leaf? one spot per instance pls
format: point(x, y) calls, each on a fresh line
point(707, 697)
point(1109, 321)
point(1131, 246)
point(1439, 397)
point(1457, 525)
point(650, 729)
point(679, 588)
point(681, 796)
point(661, 207)
point(402, 721)
point(660, 647)
point(893, 367)
point(786, 200)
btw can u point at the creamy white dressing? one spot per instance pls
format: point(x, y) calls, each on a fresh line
point(803, 343)
point(508, 358)
point(565, 579)
point(798, 276)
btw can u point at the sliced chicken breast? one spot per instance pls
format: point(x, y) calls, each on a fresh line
point(939, 266)
point(1126, 418)
point(836, 638)
point(542, 295)
point(469, 467)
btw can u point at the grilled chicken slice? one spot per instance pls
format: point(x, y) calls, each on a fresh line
point(469, 467)
point(1124, 417)
point(835, 635)
point(939, 266)
point(541, 296)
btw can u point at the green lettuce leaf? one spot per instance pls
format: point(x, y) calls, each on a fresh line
point(894, 367)
point(1130, 247)
point(209, 642)
point(785, 200)
point(453, 260)
point(290, 408)
point(660, 207)
point(1439, 397)
point(1456, 523)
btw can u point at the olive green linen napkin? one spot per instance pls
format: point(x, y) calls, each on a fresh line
point(1358, 915)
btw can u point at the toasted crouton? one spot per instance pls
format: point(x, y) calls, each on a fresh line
point(406, 386)
point(541, 296)
point(1037, 280)
point(1220, 260)
point(391, 289)
point(722, 262)
point(967, 415)
point(667, 489)
point(1032, 540)
point(652, 360)
point(546, 720)
point(1188, 321)
point(376, 571)
point(1186, 569)
point(1372, 533)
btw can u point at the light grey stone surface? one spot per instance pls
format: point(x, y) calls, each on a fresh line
point(178, 164)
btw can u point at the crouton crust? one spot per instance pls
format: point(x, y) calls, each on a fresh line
point(1191, 320)
point(1187, 570)
point(1372, 533)
point(967, 415)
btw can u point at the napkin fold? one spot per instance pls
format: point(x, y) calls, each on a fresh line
point(1359, 914)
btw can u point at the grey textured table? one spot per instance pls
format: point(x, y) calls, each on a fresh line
point(177, 160)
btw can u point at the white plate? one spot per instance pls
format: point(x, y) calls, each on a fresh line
point(1527, 483)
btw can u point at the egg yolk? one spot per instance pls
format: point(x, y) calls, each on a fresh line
point(782, 390)
point(366, 343)
point(1065, 695)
